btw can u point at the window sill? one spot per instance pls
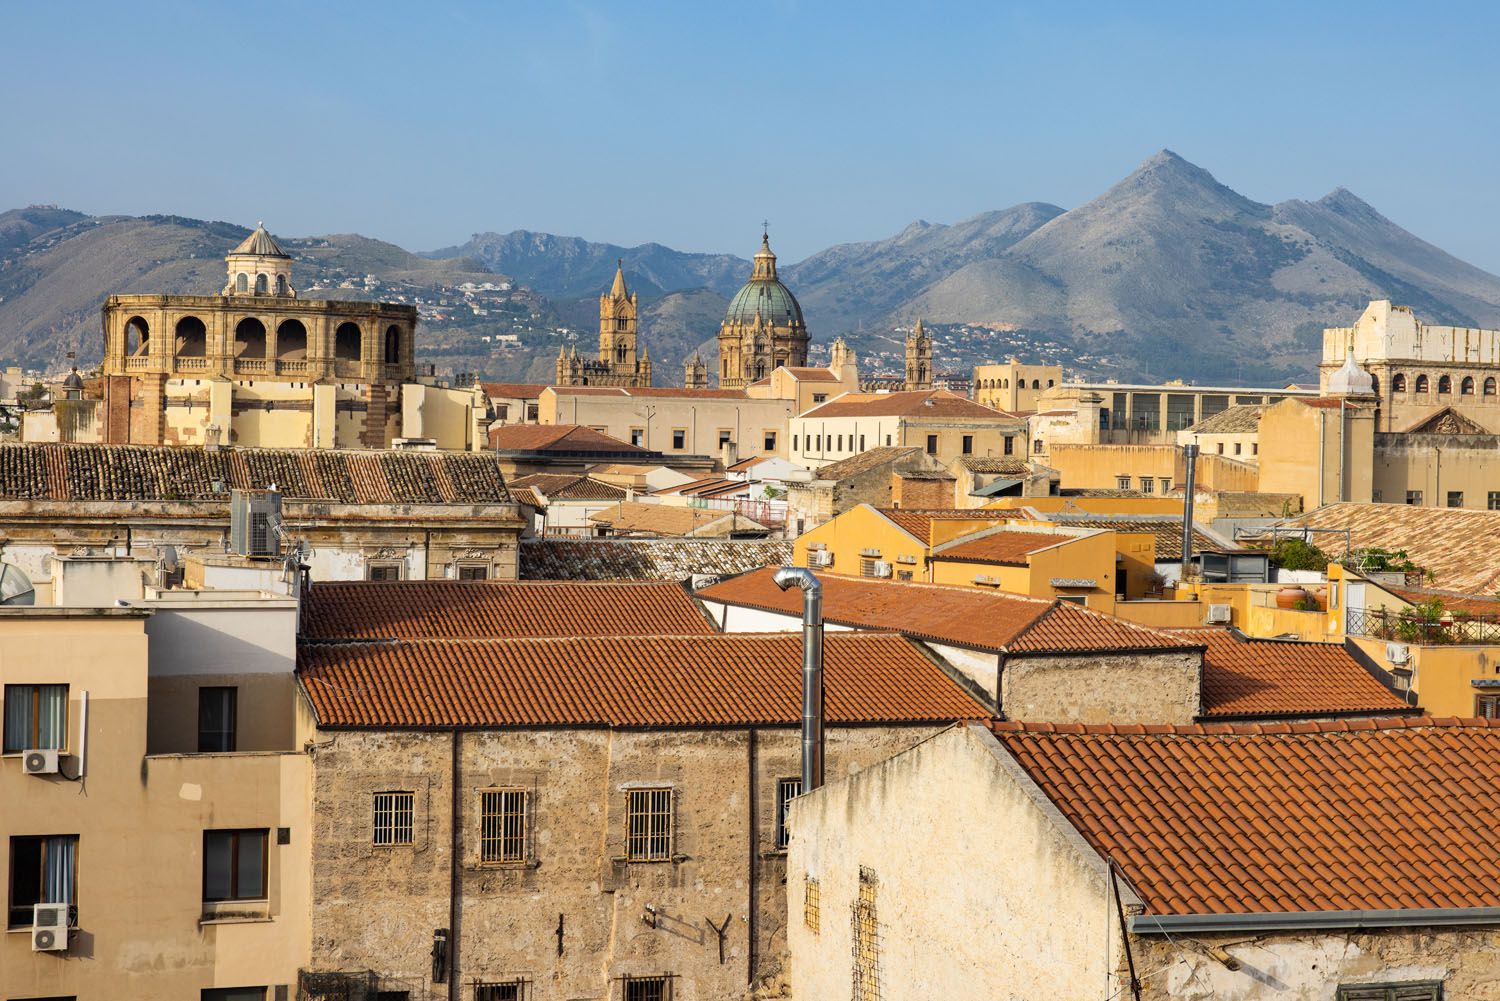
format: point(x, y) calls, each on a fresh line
point(236, 919)
point(502, 866)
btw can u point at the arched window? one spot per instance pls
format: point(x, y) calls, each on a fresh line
point(260, 285)
point(291, 341)
point(1421, 386)
point(1445, 385)
point(1375, 385)
point(1398, 383)
point(348, 342)
point(250, 338)
point(1466, 388)
point(137, 337)
point(281, 284)
point(241, 282)
point(192, 338)
point(1051, 383)
point(1036, 384)
point(393, 346)
point(1489, 386)
point(1004, 383)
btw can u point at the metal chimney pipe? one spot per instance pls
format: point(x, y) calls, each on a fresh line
point(812, 670)
point(1190, 457)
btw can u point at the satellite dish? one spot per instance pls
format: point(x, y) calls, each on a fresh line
point(168, 558)
point(15, 586)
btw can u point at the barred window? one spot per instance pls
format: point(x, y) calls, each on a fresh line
point(812, 904)
point(393, 818)
point(503, 826)
point(648, 989)
point(505, 990)
point(650, 816)
point(866, 940)
point(786, 791)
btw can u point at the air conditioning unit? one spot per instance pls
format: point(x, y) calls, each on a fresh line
point(1398, 653)
point(255, 522)
point(41, 761)
point(1218, 615)
point(821, 558)
point(49, 927)
point(882, 568)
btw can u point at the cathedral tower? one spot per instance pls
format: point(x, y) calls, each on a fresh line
point(695, 373)
point(763, 326)
point(618, 363)
point(918, 359)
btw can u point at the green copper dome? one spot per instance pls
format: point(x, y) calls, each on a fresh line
point(764, 294)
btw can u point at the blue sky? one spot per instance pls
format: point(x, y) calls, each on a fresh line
point(688, 123)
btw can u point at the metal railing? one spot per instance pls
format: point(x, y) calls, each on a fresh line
point(1409, 625)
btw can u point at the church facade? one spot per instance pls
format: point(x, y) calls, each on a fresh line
point(618, 363)
point(763, 327)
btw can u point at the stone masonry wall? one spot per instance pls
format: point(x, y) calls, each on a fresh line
point(1103, 688)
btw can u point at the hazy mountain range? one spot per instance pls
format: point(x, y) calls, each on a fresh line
point(1167, 273)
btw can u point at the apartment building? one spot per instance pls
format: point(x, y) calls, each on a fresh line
point(943, 424)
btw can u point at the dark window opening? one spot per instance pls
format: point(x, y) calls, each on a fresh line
point(234, 865)
point(348, 342)
point(786, 791)
point(291, 341)
point(36, 718)
point(192, 338)
point(393, 345)
point(217, 711)
point(43, 870)
point(137, 337)
point(250, 338)
point(474, 571)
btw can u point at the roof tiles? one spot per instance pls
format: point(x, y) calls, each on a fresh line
point(1002, 548)
point(647, 559)
point(936, 403)
point(918, 522)
point(570, 439)
point(1460, 547)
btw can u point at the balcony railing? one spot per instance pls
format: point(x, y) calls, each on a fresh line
point(292, 367)
point(253, 366)
point(1412, 626)
point(137, 363)
point(191, 364)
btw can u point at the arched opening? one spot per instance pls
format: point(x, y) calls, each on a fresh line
point(1051, 383)
point(348, 342)
point(1036, 384)
point(760, 370)
point(250, 338)
point(1489, 386)
point(192, 338)
point(281, 284)
point(1445, 385)
point(393, 346)
point(291, 341)
point(1466, 388)
point(1398, 383)
point(260, 285)
point(1004, 383)
point(137, 337)
point(1421, 386)
point(242, 282)
point(1375, 385)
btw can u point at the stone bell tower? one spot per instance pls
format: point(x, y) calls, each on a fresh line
point(259, 266)
point(918, 359)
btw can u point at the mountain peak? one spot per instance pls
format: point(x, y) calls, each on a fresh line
point(1346, 202)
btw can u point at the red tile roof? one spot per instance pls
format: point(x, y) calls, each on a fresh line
point(919, 522)
point(415, 609)
point(513, 390)
point(812, 374)
point(1260, 818)
point(1002, 548)
point(560, 438)
point(1245, 677)
point(936, 403)
point(568, 486)
point(962, 616)
point(664, 681)
point(1474, 605)
point(652, 391)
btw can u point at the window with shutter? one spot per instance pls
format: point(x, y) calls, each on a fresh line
point(1414, 990)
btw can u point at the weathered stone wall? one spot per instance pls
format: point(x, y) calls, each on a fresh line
point(376, 908)
point(1103, 688)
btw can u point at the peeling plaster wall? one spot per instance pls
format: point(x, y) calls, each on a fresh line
point(1104, 688)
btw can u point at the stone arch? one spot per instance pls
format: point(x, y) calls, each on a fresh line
point(137, 337)
point(1421, 384)
point(1004, 383)
point(1445, 385)
point(348, 342)
point(1036, 384)
point(1398, 382)
point(261, 285)
point(1051, 383)
point(192, 338)
point(1466, 388)
point(291, 341)
point(1375, 385)
point(281, 284)
point(250, 338)
point(1489, 386)
point(242, 282)
point(393, 346)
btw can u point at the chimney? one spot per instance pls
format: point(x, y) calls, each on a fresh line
point(812, 670)
point(1190, 460)
point(730, 452)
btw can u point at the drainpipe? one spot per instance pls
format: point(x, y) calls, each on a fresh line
point(1190, 460)
point(455, 884)
point(812, 671)
point(1322, 455)
point(1343, 423)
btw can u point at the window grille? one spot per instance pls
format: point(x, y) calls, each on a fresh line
point(502, 826)
point(647, 989)
point(1487, 706)
point(503, 990)
point(650, 816)
point(393, 818)
point(473, 571)
point(812, 904)
point(786, 791)
point(866, 940)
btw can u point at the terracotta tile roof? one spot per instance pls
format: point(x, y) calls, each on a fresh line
point(943, 404)
point(1245, 677)
point(513, 390)
point(812, 374)
point(1242, 419)
point(566, 439)
point(1002, 548)
point(1459, 546)
point(653, 392)
point(435, 609)
point(746, 464)
point(568, 486)
point(1263, 818)
point(865, 461)
point(962, 616)
point(526, 495)
point(647, 559)
point(918, 522)
point(1166, 529)
point(1325, 402)
point(1004, 465)
point(1475, 605)
point(165, 472)
point(667, 519)
point(663, 681)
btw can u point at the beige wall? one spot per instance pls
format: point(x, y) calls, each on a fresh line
point(1301, 447)
point(1436, 466)
point(1099, 467)
point(1102, 688)
point(701, 419)
point(818, 441)
point(1013, 386)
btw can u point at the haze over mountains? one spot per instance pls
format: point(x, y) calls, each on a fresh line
point(1168, 273)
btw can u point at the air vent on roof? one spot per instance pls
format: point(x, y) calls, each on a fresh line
point(255, 522)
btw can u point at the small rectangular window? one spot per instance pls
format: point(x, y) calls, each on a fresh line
point(1414, 497)
point(503, 411)
point(725, 437)
point(1077, 599)
point(968, 445)
point(840, 446)
point(1148, 485)
point(1010, 444)
point(887, 441)
point(509, 990)
point(1237, 447)
point(394, 812)
point(1455, 498)
point(473, 571)
point(36, 717)
point(217, 711)
point(1036, 447)
point(232, 994)
point(820, 397)
point(648, 989)
point(1487, 706)
point(812, 904)
point(531, 411)
point(786, 791)
point(1166, 485)
point(1493, 501)
point(638, 436)
point(503, 826)
point(234, 865)
point(861, 443)
point(649, 815)
point(932, 444)
point(1409, 990)
point(1122, 483)
point(679, 438)
point(383, 571)
point(43, 870)
point(794, 443)
point(769, 441)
